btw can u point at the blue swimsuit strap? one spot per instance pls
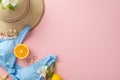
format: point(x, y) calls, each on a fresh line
point(22, 34)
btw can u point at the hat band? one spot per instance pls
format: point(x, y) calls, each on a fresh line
point(12, 20)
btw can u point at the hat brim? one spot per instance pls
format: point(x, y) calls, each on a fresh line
point(32, 18)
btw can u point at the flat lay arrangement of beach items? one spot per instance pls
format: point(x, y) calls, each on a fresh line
point(17, 18)
point(8, 59)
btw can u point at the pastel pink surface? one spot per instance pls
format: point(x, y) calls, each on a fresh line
point(85, 34)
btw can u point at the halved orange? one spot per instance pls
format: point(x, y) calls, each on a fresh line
point(21, 51)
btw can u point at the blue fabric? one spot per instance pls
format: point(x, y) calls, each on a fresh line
point(31, 72)
point(8, 59)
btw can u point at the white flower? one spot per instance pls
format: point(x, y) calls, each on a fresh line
point(42, 71)
point(5, 3)
point(13, 2)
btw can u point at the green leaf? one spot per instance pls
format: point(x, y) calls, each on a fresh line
point(4, 7)
point(46, 78)
point(51, 71)
point(0, 1)
point(11, 7)
point(48, 69)
point(50, 75)
point(54, 67)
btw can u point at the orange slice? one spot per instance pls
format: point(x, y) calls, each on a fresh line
point(21, 51)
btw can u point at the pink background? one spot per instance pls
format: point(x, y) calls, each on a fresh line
point(85, 34)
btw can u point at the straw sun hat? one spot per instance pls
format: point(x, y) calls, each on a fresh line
point(16, 14)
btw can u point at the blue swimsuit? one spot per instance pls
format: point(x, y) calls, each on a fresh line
point(8, 60)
